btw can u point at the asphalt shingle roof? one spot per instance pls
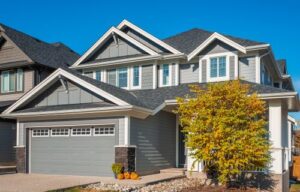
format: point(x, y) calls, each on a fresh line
point(189, 40)
point(51, 55)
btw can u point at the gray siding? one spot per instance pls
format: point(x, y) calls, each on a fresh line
point(155, 138)
point(231, 67)
point(110, 50)
point(10, 53)
point(189, 73)
point(247, 68)
point(145, 41)
point(173, 74)
point(58, 96)
point(7, 141)
point(204, 71)
point(147, 76)
point(216, 47)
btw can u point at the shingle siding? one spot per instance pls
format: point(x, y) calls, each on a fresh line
point(155, 140)
point(204, 71)
point(232, 67)
point(247, 69)
point(10, 53)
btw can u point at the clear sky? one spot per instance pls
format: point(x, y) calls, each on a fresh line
point(80, 23)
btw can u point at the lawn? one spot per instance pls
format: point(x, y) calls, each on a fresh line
point(295, 188)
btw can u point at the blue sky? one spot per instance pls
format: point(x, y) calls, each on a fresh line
point(80, 23)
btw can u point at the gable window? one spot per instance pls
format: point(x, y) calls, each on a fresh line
point(12, 81)
point(217, 67)
point(165, 75)
point(136, 77)
point(122, 78)
point(98, 75)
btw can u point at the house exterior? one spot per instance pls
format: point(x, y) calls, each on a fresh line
point(116, 102)
point(24, 62)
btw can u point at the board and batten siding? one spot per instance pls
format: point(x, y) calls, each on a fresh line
point(247, 69)
point(10, 53)
point(204, 70)
point(58, 95)
point(28, 85)
point(155, 138)
point(189, 73)
point(7, 141)
point(231, 67)
point(147, 76)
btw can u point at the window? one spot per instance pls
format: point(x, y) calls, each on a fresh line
point(104, 131)
point(58, 132)
point(81, 131)
point(98, 75)
point(218, 67)
point(165, 75)
point(40, 132)
point(136, 76)
point(123, 77)
point(111, 76)
point(12, 81)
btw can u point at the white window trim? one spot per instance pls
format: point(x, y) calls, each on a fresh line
point(40, 135)
point(60, 135)
point(94, 73)
point(104, 126)
point(161, 75)
point(208, 57)
point(132, 77)
point(81, 135)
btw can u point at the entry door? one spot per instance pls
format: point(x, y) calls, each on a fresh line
point(182, 148)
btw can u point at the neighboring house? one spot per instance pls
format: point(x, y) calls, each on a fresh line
point(116, 102)
point(24, 62)
point(292, 125)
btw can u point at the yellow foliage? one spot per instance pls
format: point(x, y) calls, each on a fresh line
point(134, 176)
point(120, 176)
point(127, 175)
point(226, 127)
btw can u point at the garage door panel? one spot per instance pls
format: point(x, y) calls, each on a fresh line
point(73, 155)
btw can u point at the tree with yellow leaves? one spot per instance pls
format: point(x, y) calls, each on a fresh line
point(225, 127)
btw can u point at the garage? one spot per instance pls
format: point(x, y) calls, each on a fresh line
point(80, 150)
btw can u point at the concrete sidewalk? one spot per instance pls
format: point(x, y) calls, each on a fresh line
point(41, 182)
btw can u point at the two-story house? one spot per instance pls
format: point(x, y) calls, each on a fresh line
point(115, 102)
point(24, 62)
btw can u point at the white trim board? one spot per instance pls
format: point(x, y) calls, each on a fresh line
point(60, 72)
point(147, 35)
point(105, 37)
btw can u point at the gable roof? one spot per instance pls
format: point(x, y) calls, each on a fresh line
point(188, 41)
point(50, 55)
point(107, 36)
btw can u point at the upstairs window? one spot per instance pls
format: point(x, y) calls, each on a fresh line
point(165, 75)
point(12, 81)
point(217, 67)
point(123, 77)
point(93, 74)
point(136, 76)
point(98, 75)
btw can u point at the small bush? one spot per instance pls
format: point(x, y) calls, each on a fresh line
point(127, 175)
point(117, 168)
point(134, 176)
point(120, 176)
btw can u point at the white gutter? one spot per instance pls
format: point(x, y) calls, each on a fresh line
point(257, 47)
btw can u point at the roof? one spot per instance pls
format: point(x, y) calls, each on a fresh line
point(5, 104)
point(152, 98)
point(188, 41)
point(51, 55)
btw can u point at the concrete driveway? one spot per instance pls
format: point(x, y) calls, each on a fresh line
point(39, 182)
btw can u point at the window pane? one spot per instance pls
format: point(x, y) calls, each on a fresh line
point(4, 81)
point(12, 81)
point(122, 74)
point(166, 74)
point(222, 66)
point(136, 76)
point(98, 75)
point(20, 80)
point(213, 67)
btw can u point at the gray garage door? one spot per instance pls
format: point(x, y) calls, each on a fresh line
point(72, 151)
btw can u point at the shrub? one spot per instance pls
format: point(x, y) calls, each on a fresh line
point(134, 176)
point(120, 176)
point(127, 175)
point(117, 168)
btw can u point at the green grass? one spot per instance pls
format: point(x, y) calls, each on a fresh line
point(295, 188)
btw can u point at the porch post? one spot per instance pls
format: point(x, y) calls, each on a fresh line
point(275, 130)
